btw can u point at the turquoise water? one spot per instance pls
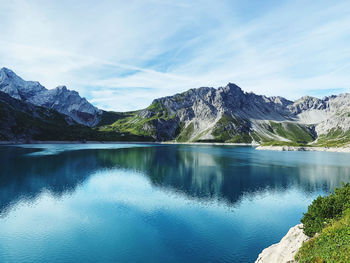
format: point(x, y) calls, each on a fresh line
point(154, 203)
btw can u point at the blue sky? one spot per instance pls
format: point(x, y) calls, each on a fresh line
point(122, 54)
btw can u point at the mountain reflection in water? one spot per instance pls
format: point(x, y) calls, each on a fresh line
point(204, 172)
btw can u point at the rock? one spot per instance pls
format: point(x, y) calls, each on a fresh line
point(68, 102)
point(205, 107)
point(61, 99)
point(345, 149)
point(286, 249)
point(16, 87)
point(225, 114)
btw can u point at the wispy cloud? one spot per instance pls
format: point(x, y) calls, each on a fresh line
point(121, 55)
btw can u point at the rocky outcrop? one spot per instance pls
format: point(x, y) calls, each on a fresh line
point(68, 102)
point(61, 99)
point(201, 114)
point(305, 149)
point(226, 114)
point(286, 249)
point(22, 122)
point(16, 87)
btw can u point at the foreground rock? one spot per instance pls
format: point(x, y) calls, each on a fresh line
point(285, 250)
point(296, 148)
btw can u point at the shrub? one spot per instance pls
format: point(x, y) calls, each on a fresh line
point(332, 245)
point(323, 209)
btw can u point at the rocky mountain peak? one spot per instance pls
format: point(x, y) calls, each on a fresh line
point(307, 103)
point(16, 87)
point(232, 89)
point(61, 88)
point(7, 73)
point(281, 101)
point(61, 99)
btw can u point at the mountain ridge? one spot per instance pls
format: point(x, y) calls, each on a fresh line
point(61, 99)
point(205, 114)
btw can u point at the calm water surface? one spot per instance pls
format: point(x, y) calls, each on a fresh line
point(154, 203)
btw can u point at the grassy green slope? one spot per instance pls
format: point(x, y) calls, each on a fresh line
point(185, 133)
point(231, 130)
point(131, 123)
point(25, 122)
point(332, 245)
point(296, 134)
point(330, 217)
point(110, 117)
point(335, 138)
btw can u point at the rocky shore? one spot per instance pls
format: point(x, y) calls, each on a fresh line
point(302, 148)
point(285, 250)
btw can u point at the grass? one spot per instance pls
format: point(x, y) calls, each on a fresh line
point(332, 245)
point(110, 117)
point(335, 138)
point(283, 143)
point(231, 130)
point(18, 121)
point(240, 138)
point(329, 216)
point(186, 133)
point(294, 132)
point(133, 124)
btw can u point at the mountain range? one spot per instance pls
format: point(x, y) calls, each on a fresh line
point(225, 114)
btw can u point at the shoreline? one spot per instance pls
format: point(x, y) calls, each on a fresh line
point(211, 143)
point(254, 145)
point(126, 142)
point(304, 149)
point(74, 142)
point(285, 250)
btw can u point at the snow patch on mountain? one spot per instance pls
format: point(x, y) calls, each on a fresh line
point(61, 99)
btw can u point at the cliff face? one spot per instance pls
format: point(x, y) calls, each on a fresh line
point(226, 114)
point(20, 121)
point(61, 99)
point(286, 249)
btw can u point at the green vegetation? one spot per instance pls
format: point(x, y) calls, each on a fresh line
point(330, 217)
point(199, 136)
point(156, 107)
point(297, 135)
point(186, 133)
point(255, 137)
point(132, 124)
point(294, 132)
point(335, 138)
point(109, 117)
point(332, 245)
point(231, 130)
point(241, 138)
point(22, 122)
point(284, 143)
point(324, 209)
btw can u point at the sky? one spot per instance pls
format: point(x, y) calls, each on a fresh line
point(121, 55)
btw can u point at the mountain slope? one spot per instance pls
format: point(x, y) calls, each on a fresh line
point(61, 99)
point(20, 121)
point(228, 114)
point(225, 114)
point(23, 122)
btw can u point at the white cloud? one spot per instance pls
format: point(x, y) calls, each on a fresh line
point(121, 55)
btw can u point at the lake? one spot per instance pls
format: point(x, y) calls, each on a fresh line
point(154, 203)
